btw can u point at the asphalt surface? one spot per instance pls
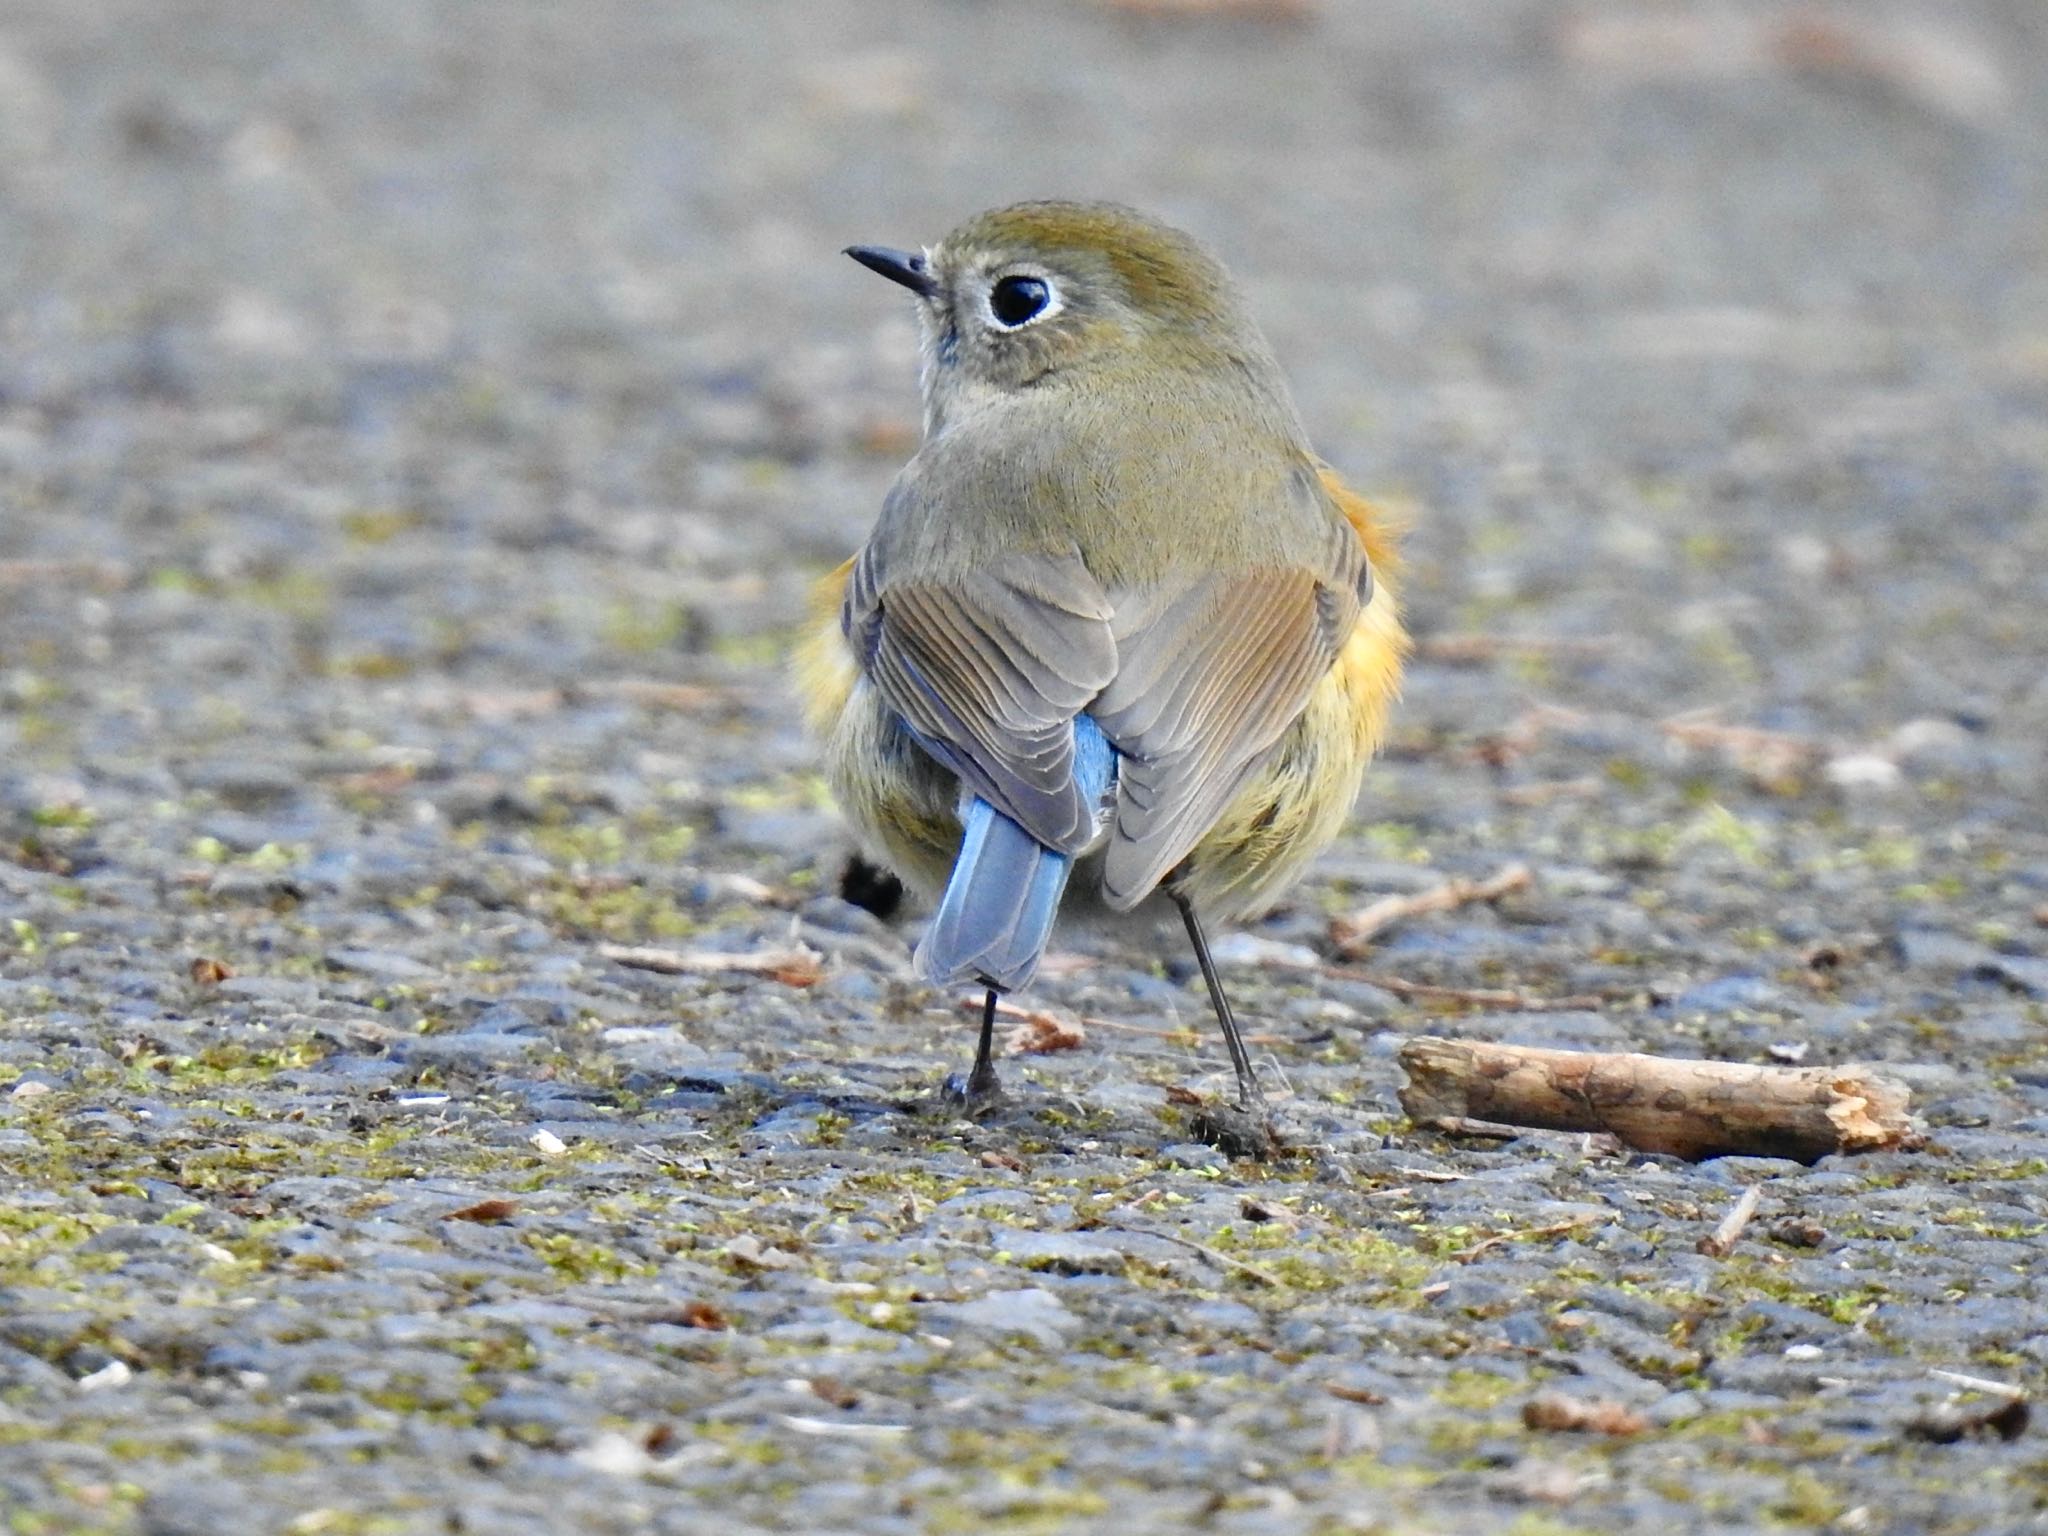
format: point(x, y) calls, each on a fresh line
point(419, 426)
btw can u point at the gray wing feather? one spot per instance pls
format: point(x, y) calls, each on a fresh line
point(1208, 681)
point(989, 668)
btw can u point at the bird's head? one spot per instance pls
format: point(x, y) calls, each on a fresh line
point(1047, 292)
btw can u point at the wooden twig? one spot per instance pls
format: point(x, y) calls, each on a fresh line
point(1770, 758)
point(1559, 1412)
point(1722, 1240)
point(1691, 1109)
point(1978, 1383)
point(1352, 933)
point(1486, 1245)
point(1276, 12)
point(1213, 1255)
point(46, 573)
point(1544, 791)
point(794, 965)
point(1473, 649)
point(1478, 997)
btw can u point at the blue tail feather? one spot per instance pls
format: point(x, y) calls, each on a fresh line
point(995, 918)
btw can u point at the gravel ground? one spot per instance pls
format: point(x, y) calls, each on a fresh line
point(418, 425)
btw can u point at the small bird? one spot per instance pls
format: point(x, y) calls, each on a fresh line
point(1117, 626)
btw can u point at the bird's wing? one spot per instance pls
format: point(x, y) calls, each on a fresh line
point(1209, 678)
point(989, 668)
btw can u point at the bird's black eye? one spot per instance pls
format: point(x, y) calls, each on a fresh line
point(1016, 301)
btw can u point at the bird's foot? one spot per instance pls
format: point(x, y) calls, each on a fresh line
point(1239, 1131)
point(973, 1095)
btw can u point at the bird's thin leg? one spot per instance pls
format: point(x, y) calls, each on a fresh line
point(1248, 1095)
point(981, 1081)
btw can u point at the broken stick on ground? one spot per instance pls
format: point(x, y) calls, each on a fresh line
point(1722, 1240)
point(1352, 933)
point(1692, 1109)
point(794, 965)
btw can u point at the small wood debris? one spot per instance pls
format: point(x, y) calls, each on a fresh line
point(699, 1314)
point(1215, 1256)
point(1362, 1395)
point(830, 1389)
point(1721, 1242)
point(105, 574)
point(1946, 1423)
point(655, 693)
point(486, 1211)
point(1978, 1383)
point(1353, 933)
point(1544, 791)
point(749, 1252)
point(1042, 1034)
point(1471, 649)
point(1038, 1032)
point(838, 1429)
point(1558, 1412)
point(1690, 1109)
point(1547, 1482)
point(1494, 999)
point(1938, 69)
point(1486, 1245)
point(1799, 1232)
point(1272, 12)
point(1522, 735)
point(1776, 761)
point(793, 965)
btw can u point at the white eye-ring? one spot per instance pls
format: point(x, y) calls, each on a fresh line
point(1016, 299)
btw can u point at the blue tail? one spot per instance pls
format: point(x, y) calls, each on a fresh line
point(996, 915)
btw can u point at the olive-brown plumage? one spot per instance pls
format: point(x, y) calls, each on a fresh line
point(1115, 610)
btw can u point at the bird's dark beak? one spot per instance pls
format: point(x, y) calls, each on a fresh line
point(905, 267)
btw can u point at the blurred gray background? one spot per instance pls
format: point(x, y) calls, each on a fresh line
point(420, 424)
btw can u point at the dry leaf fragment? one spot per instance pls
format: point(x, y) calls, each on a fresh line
point(701, 1314)
point(1595, 1416)
point(1041, 1034)
point(486, 1210)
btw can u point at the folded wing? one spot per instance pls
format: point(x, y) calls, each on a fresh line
point(1209, 679)
point(989, 668)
